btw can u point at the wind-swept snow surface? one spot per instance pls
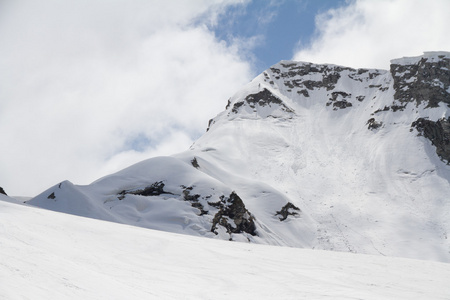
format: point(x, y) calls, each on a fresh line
point(49, 255)
point(306, 155)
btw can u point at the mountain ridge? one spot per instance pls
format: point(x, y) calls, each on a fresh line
point(306, 155)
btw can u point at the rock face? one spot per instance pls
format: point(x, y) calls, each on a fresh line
point(288, 210)
point(425, 80)
point(330, 75)
point(233, 216)
point(373, 124)
point(2, 191)
point(264, 101)
point(155, 189)
point(438, 133)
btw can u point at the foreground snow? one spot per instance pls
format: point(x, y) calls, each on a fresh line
point(50, 255)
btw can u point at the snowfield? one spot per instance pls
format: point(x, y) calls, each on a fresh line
point(51, 255)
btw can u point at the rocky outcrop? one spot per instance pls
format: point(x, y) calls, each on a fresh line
point(154, 189)
point(194, 163)
point(2, 191)
point(373, 124)
point(340, 100)
point(330, 75)
point(193, 199)
point(233, 215)
point(425, 81)
point(308, 76)
point(262, 98)
point(288, 210)
point(438, 133)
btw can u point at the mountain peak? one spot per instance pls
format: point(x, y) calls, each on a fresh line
point(305, 155)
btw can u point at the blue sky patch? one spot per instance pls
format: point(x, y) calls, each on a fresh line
point(278, 27)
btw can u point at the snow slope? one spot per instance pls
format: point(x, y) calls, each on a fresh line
point(49, 255)
point(306, 155)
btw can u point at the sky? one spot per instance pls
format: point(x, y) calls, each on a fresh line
point(90, 87)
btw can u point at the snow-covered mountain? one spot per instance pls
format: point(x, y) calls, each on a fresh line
point(305, 155)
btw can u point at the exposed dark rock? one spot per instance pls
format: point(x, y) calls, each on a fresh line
point(200, 207)
point(363, 74)
point(303, 92)
point(193, 199)
point(289, 84)
point(374, 74)
point(341, 104)
point(373, 124)
point(426, 81)
point(194, 163)
point(334, 95)
point(438, 133)
point(352, 76)
point(217, 204)
point(51, 196)
point(262, 98)
point(397, 107)
point(2, 191)
point(154, 189)
point(360, 98)
point(393, 107)
point(386, 108)
point(210, 123)
point(228, 104)
point(289, 65)
point(275, 70)
point(236, 106)
point(187, 196)
point(288, 210)
point(232, 208)
point(330, 75)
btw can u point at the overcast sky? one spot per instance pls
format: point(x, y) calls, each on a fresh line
point(90, 87)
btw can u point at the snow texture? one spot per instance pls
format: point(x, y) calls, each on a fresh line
point(49, 255)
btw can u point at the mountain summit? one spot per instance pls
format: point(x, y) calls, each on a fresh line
point(306, 155)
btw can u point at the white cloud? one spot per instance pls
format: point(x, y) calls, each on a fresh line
point(368, 33)
point(83, 81)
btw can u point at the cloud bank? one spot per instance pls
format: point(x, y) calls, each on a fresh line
point(368, 33)
point(88, 88)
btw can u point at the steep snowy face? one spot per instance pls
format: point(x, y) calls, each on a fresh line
point(305, 155)
point(426, 80)
point(366, 166)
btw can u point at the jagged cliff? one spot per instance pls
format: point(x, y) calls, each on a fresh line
point(306, 155)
